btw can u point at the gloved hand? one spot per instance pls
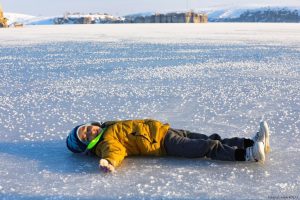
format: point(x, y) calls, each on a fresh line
point(105, 166)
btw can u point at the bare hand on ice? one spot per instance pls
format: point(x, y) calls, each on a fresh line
point(105, 166)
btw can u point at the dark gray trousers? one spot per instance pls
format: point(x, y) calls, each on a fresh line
point(195, 145)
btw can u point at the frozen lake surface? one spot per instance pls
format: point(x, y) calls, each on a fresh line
point(208, 78)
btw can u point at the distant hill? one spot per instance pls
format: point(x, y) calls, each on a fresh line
point(240, 14)
point(28, 19)
point(66, 19)
point(262, 14)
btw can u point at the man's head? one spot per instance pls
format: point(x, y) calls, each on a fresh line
point(80, 136)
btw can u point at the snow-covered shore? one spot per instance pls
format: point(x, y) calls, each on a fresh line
point(207, 78)
point(246, 13)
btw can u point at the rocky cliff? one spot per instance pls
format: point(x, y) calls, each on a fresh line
point(188, 17)
point(77, 18)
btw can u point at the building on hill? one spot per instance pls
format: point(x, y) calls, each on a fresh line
point(3, 20)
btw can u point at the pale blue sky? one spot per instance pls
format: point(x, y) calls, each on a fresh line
point(123, 7)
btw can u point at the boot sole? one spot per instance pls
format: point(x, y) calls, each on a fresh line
point(262, 157)
point(264, 126)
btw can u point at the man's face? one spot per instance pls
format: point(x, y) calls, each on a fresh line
point(88, 133)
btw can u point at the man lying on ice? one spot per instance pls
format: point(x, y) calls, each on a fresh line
point(112, 141)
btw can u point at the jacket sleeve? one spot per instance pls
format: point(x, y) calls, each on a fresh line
point(113, 151)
